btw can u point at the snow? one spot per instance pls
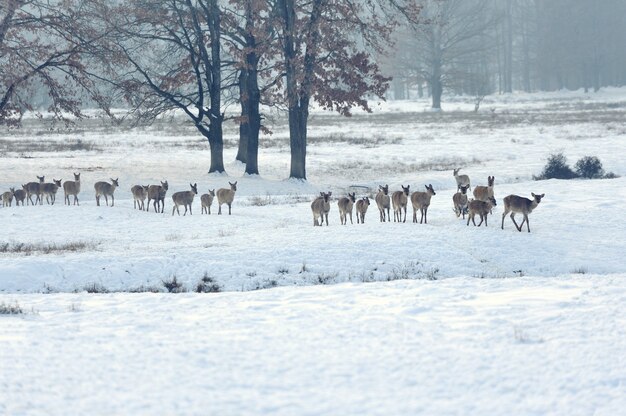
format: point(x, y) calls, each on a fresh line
point(490, 321)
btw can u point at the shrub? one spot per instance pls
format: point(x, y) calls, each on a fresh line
point(8, 309)
point(589, 167)
point(173, 285)
point(556, 168)
point(207, 285)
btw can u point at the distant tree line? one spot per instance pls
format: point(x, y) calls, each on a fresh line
point(480, 47)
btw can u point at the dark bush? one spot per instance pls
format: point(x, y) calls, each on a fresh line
point(589, 167)
point(556, 168)
point(173, 285)
point(207, 285)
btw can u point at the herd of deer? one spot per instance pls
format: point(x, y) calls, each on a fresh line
point(481, 205)
point(140, 193)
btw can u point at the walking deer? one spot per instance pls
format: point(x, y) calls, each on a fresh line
point(7, 197)
point(20, 196)
point(320, 207)
point(184, 198)
point(460, 202)
point(461, 180)
point(140, 193)
point(482, 208)
point(72, 188)
point(207, 201)
point(106, 189)
point(421, 201)
point(226, 196)
point(34, 188)
point(520, 205)
point(399, 200)
point(345, 205)
point(157, 193)
point(50, 191)
point(361, 208)
point(383, 202)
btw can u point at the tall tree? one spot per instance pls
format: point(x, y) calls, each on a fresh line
point(327, 58)
point(167, 56)
point(45, 47)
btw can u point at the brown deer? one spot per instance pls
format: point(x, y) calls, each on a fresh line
point(460, 202)
point(106, 189)
point(399, 200)
point(345, 205)
point(72, 188)
point(383, 202)
point(517, 204)
point(361, 209)
point(34, 188)
point(20, 196)
point(184, 198)
point(226, 196)
point(157, 193)
point(320, 207)
point(461, 180)
point(50, 191)
point(207, 201)
point(7, 197)
point(483, 193)
point(421, 201)
point(140, 193)
point(482, 208)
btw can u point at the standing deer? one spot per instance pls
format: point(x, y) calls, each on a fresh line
point(483, 193)
point(184, 198)
point(460, 202)
point(345, 205)
point(517, 204)
point(421, 201)
point(482, 208)
point(461, 180)
point(157, 193)
point(106, 189)
point(207, 201)
point(226, 196)
point(383, 202)
point(320, 207)
point(361, 208)
point(20, 196)
point(72, 188)
point(50, 191)
point(399, 200)
point(140, 193)
point(34, 188)
point(7, 197)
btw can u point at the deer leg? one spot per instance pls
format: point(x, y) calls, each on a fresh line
point(350, 218)
point(229, 207)
point(519, 228)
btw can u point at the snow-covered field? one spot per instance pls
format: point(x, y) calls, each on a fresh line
point(490, 321)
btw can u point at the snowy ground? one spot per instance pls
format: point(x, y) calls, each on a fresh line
point(491, 321)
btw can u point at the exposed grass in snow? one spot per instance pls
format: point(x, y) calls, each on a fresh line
point(10, 309)
point(28, 249)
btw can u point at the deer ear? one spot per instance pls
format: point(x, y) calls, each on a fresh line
point(533, 194)
point(542, 195)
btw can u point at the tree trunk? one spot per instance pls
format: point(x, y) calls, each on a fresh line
point(216, 140)
point(437, 89)
point(298, 118)
point(253, 96)
point(242, 151)
point(508, 49)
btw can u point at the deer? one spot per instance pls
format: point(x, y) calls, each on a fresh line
point(461, 180)
point(483, 193)
point(72, 188)
point(207, 201)
point(399, 200)
point(482, 208)
point(184, 198)
point(345, 205)
point(361, 208)
point(7, 197)
point(460, 201)
point(20, 196)
point(106, 189)
point(34, 188)
point(140, 193)
point(50, 191)
point(520, 205)
point(383, 202)
point(226, 196)
point(157, 193)
point(421, 201)
point(320, 207)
